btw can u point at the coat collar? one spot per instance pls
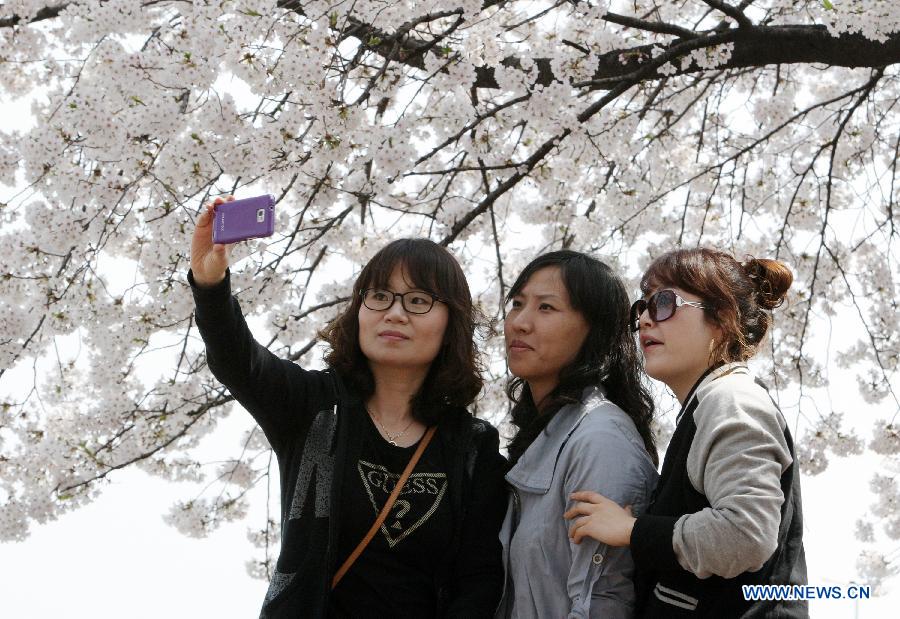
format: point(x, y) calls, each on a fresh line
point(534, 470)
point(709, 376)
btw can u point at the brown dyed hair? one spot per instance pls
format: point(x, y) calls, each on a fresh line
point(454, 378)
point(741, 295)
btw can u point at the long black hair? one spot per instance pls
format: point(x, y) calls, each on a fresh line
point(608, 357)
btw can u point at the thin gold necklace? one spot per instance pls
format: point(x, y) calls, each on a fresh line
point(391, 438)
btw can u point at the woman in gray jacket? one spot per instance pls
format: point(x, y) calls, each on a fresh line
point(584, 422)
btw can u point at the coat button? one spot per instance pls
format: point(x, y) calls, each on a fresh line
point(597, 559)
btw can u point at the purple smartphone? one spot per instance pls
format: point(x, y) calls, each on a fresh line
point(249, 218)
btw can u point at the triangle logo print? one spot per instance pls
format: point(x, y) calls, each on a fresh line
point(419, 499)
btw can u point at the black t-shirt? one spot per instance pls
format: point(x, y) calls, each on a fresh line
point(394, 576)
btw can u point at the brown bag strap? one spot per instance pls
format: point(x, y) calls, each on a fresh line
point(386, 509)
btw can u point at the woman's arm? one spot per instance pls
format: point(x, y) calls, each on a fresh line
point(478, 572)
point(604, 461)
point(271, 389)
point(736, 460)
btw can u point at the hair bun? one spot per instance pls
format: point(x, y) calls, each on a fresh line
point(772, 280)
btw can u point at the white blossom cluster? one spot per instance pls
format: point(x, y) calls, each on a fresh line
point(199, 517)
point(502, 130)
point(709, 57)
point(887, 438)
point(874, 19)
point(828, 435)
point(267, 539)
point(875, 568)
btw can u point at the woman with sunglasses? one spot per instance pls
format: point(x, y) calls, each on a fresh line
point(402, 369)
point(727, 510)
point(584, 422)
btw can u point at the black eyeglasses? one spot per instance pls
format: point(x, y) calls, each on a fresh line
point(661, 306)
point(414, 301)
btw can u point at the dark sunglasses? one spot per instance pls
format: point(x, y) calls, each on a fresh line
point(660, 306)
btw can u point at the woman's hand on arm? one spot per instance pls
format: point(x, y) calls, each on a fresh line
point(208, 260)
point(598, 517)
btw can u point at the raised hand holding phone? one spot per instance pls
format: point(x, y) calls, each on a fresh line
point(208, 260)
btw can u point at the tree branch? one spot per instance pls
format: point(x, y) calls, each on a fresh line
point(48, 12)
point(754, 47)
point(648, 26)
point(733, 12)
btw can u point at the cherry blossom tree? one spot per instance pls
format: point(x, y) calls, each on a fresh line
point(499, 128)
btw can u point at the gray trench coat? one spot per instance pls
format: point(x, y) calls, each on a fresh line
point(591, 446)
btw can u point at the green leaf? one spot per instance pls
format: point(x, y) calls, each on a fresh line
point(827, 4)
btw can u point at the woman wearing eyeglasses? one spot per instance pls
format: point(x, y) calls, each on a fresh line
point(584, 422)
point(727, 510)
point(402, 370)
